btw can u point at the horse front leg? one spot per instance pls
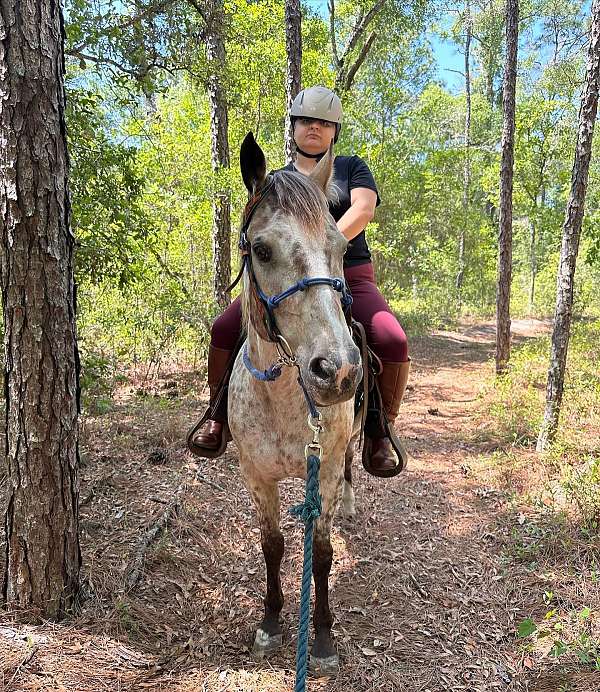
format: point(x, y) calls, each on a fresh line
point(269, 634)
point(324, 659)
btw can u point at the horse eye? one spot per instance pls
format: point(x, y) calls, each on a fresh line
point(262, 252)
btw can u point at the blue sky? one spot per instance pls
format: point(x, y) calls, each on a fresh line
point(445, 52)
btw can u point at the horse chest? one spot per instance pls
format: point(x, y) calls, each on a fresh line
point(271, 430)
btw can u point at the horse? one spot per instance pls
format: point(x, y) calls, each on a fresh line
point(288, 240)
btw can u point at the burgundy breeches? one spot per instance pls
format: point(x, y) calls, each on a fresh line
point(384, 333)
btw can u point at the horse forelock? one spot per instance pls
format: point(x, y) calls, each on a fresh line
point(296, 195)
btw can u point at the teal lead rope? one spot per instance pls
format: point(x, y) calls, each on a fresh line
point(307, 513)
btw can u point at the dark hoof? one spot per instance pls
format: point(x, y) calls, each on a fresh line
point(265, 644)
point(321, 667)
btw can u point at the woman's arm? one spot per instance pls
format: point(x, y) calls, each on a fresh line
point(362, 209)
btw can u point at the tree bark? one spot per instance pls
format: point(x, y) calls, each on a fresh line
point(293, 48)
point(467, 164)
point(506, 190)
point(43, 558)
point(532, 263)
point(571, 233)
point(221, 232)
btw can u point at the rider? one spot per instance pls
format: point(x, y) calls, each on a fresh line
point(316, 120)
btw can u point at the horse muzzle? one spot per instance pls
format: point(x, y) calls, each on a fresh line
point(333, 381)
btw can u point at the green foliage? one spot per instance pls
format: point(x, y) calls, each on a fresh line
point(565, 635)
point(142, 182)
point(107, 216)
point(581, 484)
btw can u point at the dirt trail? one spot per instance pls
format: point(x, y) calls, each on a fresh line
point(424, 597)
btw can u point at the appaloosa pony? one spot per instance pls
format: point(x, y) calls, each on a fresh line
point(293, 298)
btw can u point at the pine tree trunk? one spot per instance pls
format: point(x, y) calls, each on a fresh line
point(221, 233)
point(293, 47)
point(506, 189)
point(467, 164)
point(571, 233)
point(43, 559)
point(532, 264)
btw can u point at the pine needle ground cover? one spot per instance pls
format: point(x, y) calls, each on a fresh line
point(461, 574)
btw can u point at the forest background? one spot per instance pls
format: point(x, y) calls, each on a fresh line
point(143, 185)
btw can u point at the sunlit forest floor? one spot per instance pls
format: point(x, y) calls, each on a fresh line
point(431, 581)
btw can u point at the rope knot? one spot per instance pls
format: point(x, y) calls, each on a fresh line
point(311, 508)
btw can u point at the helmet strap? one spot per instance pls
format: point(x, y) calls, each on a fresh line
point(311, 156)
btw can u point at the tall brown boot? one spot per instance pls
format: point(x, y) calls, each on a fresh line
point(387, 458)
point(210, 435)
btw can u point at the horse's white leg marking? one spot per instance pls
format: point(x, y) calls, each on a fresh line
point(348, 501)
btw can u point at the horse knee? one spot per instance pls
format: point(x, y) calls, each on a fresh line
point(322, 557)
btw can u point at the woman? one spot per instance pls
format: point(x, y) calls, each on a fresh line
point(316, 120)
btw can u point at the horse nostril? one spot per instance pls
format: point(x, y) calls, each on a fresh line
point(324, 369)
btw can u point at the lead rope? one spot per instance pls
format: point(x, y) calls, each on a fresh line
point(307, 512)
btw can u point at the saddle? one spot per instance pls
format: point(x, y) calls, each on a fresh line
point(374, 422)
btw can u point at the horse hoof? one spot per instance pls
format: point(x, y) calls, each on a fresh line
point(322, 667)
point(265, 643)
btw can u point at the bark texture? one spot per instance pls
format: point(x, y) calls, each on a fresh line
point(571, 234)
point(41, 361)
point(221, 235)
point(506, 189)
point(293, 48)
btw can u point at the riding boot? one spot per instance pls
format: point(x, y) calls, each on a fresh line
point(210, 435)
point(387, 457)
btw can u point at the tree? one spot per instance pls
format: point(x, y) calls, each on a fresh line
point(43, 558)
point(506, 189)
point(215, 54)
point(293, 49)
point(467, 164)
point(345, 68)
point(570, 239)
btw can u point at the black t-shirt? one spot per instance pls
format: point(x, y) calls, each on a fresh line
point(349, 172)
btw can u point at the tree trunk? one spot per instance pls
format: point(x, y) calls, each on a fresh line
point(293, 48)
point(532, 264)
point(571, 233)
point(43, 559)
point(221, 234)
point(506, 189)
point(467, 164)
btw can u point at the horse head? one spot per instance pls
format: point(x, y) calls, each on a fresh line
point(294, 289)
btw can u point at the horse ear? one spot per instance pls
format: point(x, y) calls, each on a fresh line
point(252, 164)
point(323, 171)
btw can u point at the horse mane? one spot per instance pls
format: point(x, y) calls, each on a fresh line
point(296, 195)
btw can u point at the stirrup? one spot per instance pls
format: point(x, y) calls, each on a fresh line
point(205, 452)
point(378, 425)
point(399, 449)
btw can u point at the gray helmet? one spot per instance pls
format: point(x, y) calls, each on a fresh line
point(320, 103)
